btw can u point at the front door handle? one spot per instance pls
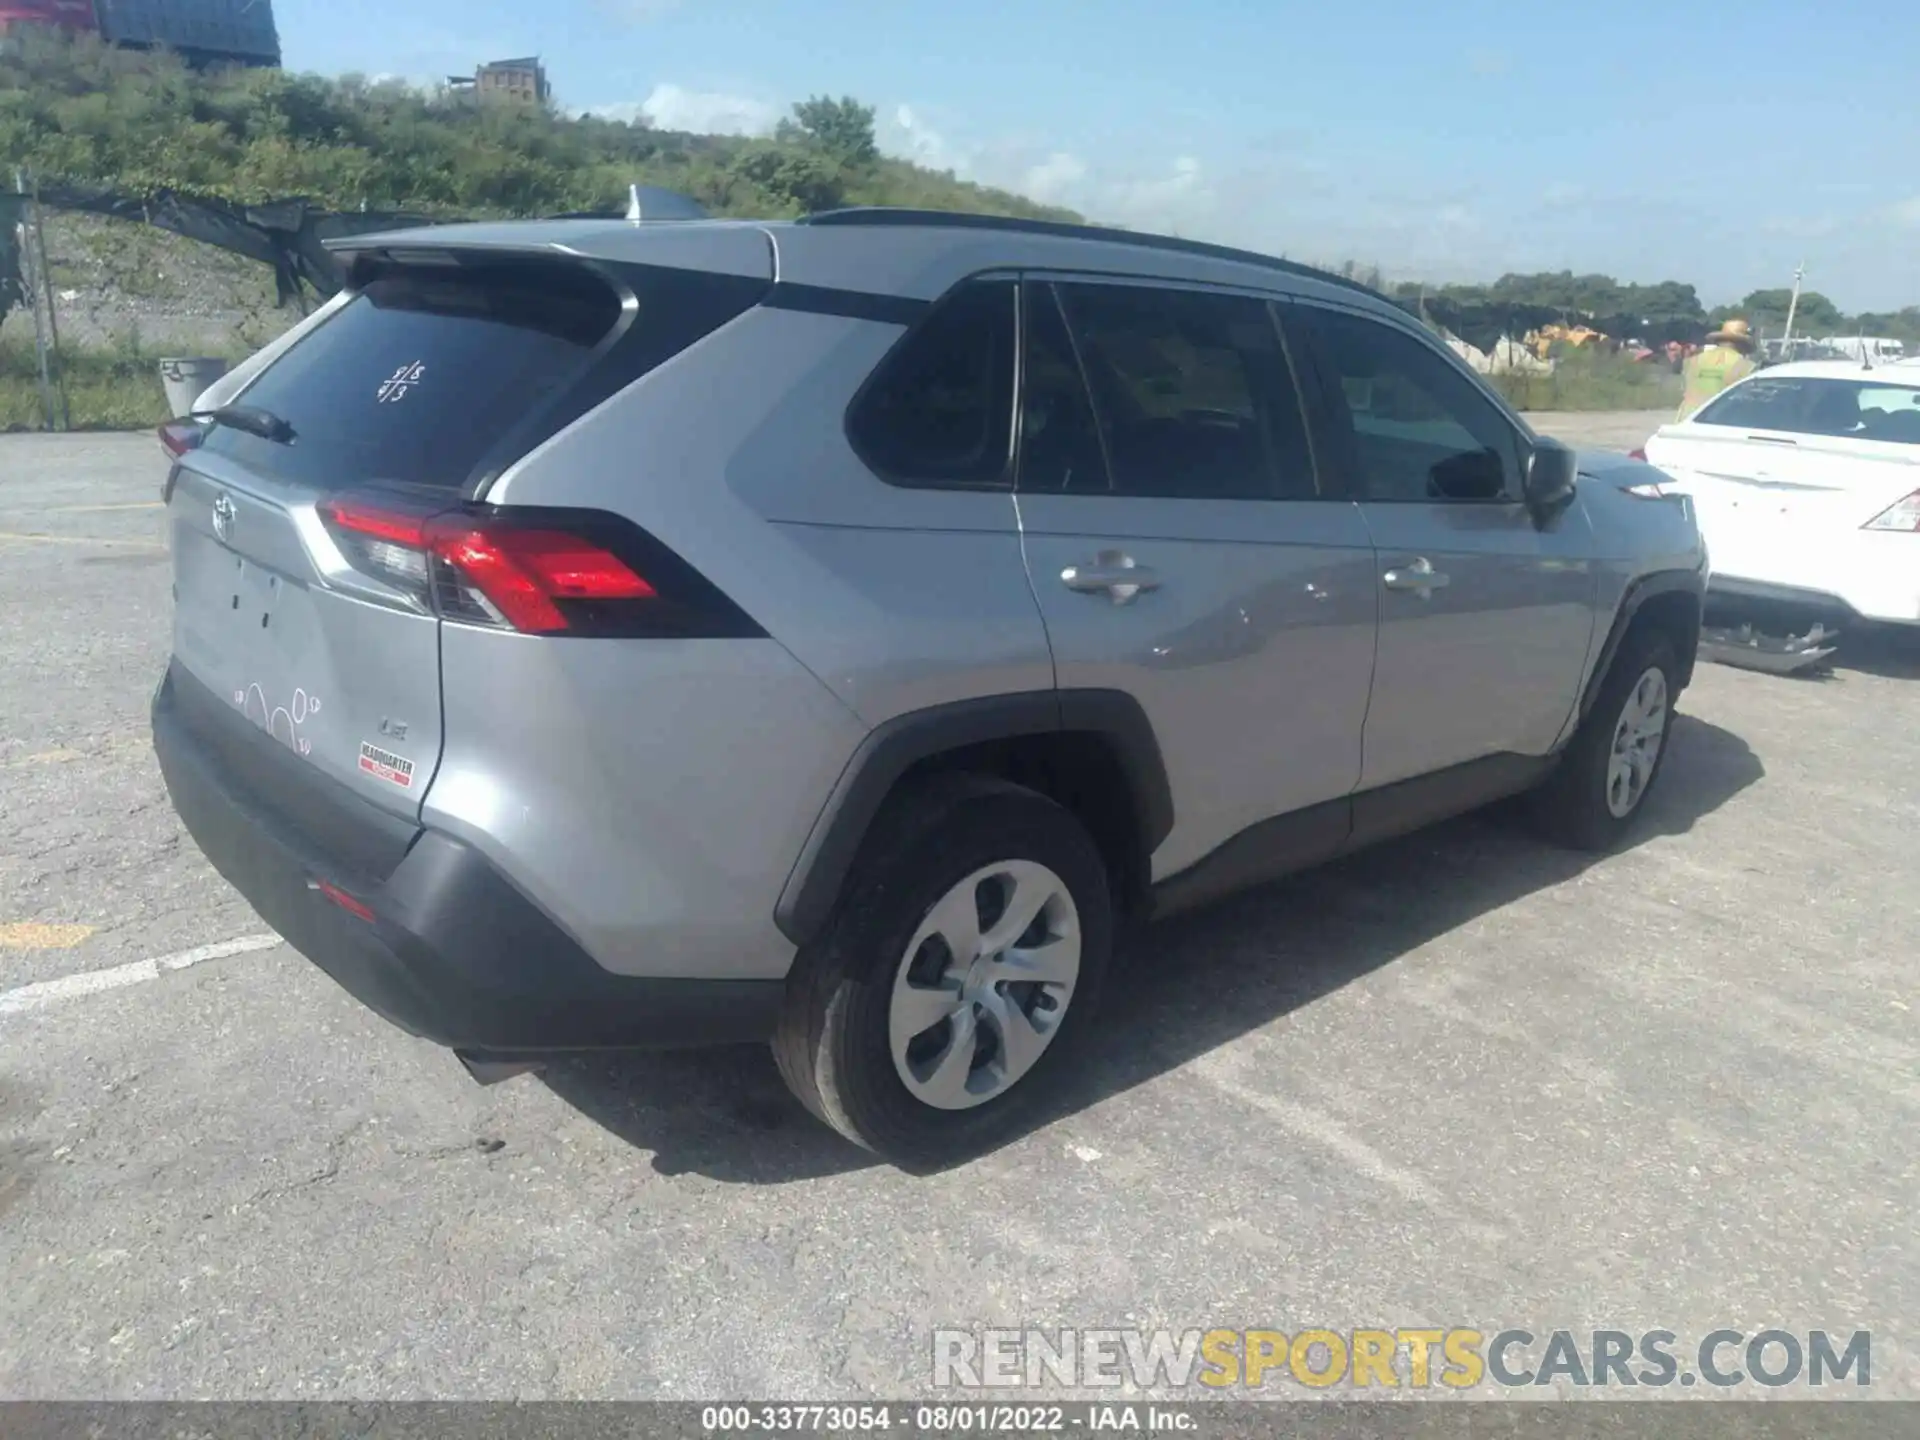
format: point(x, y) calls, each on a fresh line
point(1113, 573)
point(1419, 576)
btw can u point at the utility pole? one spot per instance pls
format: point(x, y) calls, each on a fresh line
point(30, 282)
point(44, 269)
point(1793, 305)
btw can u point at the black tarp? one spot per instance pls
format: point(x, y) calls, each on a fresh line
point(1483, 323)
point(288, 235)
point(13, 290)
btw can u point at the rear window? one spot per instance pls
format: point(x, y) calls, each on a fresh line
point(429, 373)
point(1812, 405)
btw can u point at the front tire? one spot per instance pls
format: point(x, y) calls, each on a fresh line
point(1601, 785)
point(959, 974)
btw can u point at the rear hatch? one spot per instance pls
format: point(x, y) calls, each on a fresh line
point(311, 573)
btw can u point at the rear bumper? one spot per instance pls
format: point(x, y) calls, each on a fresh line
point(455, 954)
point(1860, 574)
point(1881, 609)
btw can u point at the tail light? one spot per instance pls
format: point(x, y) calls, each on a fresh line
point(1901, 515)
point(1640, 454)
point(536, 571)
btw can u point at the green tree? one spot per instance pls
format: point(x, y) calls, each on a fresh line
point(1766, 312)
point(1896, 325)
point(843, 127)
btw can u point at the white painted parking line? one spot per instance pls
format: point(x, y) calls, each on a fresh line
point(37, 539)
point(93, 982)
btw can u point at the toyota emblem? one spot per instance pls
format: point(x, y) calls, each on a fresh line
point(223, 513)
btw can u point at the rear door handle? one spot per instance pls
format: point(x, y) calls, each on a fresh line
point(1419, 576)
point(1113, 572)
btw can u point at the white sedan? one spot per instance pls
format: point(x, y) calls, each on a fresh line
point(1806, 481)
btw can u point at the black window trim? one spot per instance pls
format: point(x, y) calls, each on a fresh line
point(1327, 484)
point(1327, 383)
point(1001, 485)
point(1029, 286)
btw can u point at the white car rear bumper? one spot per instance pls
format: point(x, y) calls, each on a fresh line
point(1875, 574)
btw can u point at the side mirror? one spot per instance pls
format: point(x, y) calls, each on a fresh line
point(1552, 472)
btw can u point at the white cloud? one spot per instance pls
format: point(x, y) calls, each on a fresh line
point(1179, 200)
point(1907, 212)
point(703, 112)
point(1054, 178)
point(907, 134)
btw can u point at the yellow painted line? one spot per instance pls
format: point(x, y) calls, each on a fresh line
point(100, 509)
point(32, 935)
point(80, 540)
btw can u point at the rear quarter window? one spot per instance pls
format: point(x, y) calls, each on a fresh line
point(938, 411)
point(429, 372)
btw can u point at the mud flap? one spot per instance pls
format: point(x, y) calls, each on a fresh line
point(1749, 649)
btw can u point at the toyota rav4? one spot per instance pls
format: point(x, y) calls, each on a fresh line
point(595, 634)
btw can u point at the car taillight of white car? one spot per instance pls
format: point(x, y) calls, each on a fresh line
point(1901, 515)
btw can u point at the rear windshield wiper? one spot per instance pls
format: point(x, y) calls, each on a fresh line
point(252, 419)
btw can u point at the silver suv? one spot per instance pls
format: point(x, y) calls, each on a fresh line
point(836, 633)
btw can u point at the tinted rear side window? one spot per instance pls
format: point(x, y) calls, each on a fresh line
point(1193, 392)
point(939, 410)
point(428, 372)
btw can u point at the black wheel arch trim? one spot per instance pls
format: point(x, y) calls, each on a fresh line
point(897, 745)
point(1640, 590)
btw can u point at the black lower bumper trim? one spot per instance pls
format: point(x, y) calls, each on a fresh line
point(456, 953)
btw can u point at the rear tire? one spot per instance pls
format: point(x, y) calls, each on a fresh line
point(924, 1055)
point(1600, 787)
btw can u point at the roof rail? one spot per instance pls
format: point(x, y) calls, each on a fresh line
point(968, 220)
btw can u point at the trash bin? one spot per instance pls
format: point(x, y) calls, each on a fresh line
point(186, 379)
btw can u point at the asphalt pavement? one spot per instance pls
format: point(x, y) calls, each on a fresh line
point(1464, 1080)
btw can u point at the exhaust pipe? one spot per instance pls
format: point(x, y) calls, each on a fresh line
point(488, 1070)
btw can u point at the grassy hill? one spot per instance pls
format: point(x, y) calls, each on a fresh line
point(77, 110)
point(80, 110)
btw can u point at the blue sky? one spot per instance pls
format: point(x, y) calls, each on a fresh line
point(1450, 140)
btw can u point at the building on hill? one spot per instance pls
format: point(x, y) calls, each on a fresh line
point(523, 79)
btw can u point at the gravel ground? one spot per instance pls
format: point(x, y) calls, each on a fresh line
point(1606, 430)
point(1462, 1080)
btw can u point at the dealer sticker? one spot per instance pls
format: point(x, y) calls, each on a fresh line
point(385, 765)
